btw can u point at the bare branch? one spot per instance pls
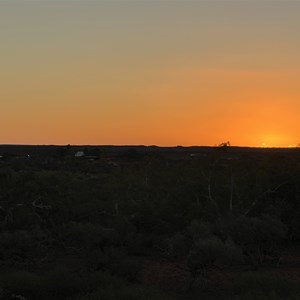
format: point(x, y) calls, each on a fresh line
point(40, 205)
point(262, 195)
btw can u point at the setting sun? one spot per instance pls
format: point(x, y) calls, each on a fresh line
point(274, 141)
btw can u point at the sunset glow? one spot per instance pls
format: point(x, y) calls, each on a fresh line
point(162, 72)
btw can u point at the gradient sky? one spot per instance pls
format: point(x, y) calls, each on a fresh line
point(150, 72)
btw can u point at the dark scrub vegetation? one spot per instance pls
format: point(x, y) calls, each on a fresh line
point(93, 227)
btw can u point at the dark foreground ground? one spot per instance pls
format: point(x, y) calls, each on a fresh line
point(131, 223)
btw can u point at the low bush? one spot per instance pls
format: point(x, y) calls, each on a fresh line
point(125, 292)
point(254, 285)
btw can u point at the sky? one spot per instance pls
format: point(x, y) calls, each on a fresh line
point(150, 72)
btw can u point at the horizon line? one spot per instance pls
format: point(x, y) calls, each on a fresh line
point(152, 145)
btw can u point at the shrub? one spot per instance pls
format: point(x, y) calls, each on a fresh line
point(58, 283)
point(258, 237)
point(128, 268)
point(254, 285)
point(23, 283)
point(233, 254)
point(123, 291)
point(198, 230)
point(87, 236)
point(176, 246)
point(19, 245)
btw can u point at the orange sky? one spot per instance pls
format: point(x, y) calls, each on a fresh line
point(165, 73)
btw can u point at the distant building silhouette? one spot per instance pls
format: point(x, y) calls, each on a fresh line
point(79, 154)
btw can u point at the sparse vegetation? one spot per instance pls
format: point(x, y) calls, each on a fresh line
point(84, 228)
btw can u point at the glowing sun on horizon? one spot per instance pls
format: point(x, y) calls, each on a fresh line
point(273, 140)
